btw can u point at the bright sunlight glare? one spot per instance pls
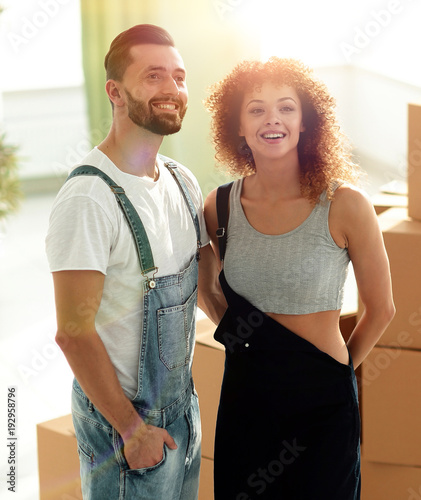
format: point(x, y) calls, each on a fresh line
point(379, 35)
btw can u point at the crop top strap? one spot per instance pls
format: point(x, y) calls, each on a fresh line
point(222, 197)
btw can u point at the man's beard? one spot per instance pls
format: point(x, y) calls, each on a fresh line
point(142, 114)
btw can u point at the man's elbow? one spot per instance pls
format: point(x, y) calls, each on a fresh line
point(67, 336)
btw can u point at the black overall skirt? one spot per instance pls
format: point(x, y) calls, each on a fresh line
point(288, 421)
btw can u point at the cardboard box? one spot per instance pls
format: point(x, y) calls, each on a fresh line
point(208, 370)
point(384, 201)
point(58, 461)
point(389, 482)
point(347, 324)
point(391, 388)
point(414, 161)
point(402, 239)
point(206, 479)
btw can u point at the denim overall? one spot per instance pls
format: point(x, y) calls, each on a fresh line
point(165, 397)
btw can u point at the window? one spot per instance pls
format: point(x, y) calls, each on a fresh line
point(41, 44)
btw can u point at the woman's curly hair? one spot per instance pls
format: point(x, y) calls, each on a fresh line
point(323, 150)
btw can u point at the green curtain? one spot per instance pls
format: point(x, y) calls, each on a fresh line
point(211, 38)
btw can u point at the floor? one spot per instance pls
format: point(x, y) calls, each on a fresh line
point(30, 361)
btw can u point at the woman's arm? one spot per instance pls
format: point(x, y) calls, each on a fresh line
point(211, 219)
point(210, 298)
point(356, 220)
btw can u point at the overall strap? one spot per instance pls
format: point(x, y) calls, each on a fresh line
point(132, 217)
point(172, 167)
point(222, 197)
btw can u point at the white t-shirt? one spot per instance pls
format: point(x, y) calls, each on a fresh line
point(88, 231)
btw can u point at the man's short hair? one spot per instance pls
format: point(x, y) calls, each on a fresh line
point(118, 57)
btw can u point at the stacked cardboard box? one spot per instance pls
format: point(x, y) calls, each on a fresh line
point(391, 374)
point(414, 161)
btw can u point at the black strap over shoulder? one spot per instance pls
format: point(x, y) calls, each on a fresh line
point(222, 197)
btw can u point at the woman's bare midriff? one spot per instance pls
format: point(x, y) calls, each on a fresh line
point(320, 329)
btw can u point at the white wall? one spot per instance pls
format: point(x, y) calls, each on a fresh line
point(41, 44)
point(372, 109)
point(42, 102)
point(50, 127)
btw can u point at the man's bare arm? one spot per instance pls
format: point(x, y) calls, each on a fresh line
point(78, 295)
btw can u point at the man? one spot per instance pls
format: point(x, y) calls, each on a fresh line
point(126, 331)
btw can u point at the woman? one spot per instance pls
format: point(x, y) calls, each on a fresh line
point(288, 422)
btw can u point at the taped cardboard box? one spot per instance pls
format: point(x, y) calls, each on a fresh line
point(58, 461)
point(391, 388)
point(414, 161)
point(402, 239)
point(390, 482)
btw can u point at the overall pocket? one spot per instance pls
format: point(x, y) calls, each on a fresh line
point(175, 339)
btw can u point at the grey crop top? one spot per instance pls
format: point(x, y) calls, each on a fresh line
point(299, 272)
